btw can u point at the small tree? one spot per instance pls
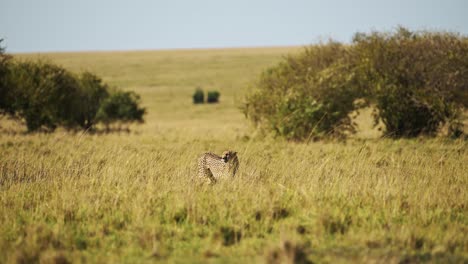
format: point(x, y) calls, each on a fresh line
point(213, 97)
point(6, 96)
point(309, 95)
point(416, 80)
point(120, 106)
point(45, 95)
point(94, 92)
point(198, 96)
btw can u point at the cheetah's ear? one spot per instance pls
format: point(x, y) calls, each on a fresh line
point(225, 156)
point(234, 153)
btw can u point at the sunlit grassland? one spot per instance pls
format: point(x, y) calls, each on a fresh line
point(167, 79)
point(131, 198)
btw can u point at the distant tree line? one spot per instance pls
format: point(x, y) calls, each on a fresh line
point(46, 96)
point(417, 82)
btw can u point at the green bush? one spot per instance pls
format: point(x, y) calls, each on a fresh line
point(94, 92)
point(121, 106)
point(198, 96)
point(416, 82)
point(213, 97)
point(5, 95)
point(45, 95)
point(306, 96)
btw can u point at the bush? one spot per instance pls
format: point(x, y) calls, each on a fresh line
point(121, 106)
point(94, 92)
point(416, 81)
point(213, 97)
point(306, 96)
point(45, 95)
point(5, 95)
point(198, 96)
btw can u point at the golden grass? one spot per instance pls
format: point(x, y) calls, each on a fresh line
point(130, 197)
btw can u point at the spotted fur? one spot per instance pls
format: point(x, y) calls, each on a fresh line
point(214, 167)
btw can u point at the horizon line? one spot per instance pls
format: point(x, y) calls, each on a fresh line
point(161, 49)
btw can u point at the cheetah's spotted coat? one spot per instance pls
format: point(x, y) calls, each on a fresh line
point(214, 167)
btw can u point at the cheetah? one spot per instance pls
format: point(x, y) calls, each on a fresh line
point(214, 167)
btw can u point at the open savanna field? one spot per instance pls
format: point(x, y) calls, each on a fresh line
point(130, 197)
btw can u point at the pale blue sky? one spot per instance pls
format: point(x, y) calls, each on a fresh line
point(76, 25)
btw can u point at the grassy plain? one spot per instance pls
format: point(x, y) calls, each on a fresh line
point(129, 198)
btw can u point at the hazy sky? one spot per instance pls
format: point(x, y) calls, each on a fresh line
point(74, 25)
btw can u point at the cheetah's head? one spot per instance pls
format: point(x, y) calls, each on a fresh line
point(228, 155)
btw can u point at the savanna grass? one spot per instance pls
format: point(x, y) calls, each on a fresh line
point(132, 198)
point(93, 199)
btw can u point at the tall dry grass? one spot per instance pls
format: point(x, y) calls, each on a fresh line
point(131, 198)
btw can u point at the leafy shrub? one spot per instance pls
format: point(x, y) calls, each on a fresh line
point(198, 96)
point(94, 92)
point(416, 80)
point(45, 95)
point(5, 95)
point(213, 97)
point(306, 96)
point(121, 106)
